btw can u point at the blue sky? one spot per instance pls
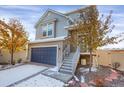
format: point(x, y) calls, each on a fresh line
point(29, 15)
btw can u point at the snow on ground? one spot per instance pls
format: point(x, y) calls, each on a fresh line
point(12, 75)
point(40, 81)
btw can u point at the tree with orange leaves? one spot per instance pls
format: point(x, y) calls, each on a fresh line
point(91, 31)
point(13, 37)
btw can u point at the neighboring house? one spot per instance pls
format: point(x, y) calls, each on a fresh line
point(5, 56)
point(50, 46)
point(108, 57)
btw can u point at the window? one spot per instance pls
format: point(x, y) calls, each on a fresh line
point(44, 33)
point(44, 30)
point(48, 29)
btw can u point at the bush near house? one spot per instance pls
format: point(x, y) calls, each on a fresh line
point(5, 58)
point(19, 60)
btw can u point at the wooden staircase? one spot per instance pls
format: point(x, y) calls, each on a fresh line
point(70, 63)
point(67, 65)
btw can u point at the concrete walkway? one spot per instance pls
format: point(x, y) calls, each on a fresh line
point(57, 75)
point(10, 76)
point(40, 81)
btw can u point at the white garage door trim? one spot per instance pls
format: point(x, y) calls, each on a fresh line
point(47, 46)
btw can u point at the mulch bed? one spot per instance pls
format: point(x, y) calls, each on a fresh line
point(102, 72)
point(103, 77)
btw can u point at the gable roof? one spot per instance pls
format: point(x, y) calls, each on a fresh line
point(59, 13)
point(50, 10)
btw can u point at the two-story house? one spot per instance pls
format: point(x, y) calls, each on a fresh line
point(50, 46)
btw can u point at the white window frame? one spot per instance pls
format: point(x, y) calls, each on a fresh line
point(47, 29)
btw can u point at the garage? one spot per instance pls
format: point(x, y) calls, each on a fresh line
point(45, 55)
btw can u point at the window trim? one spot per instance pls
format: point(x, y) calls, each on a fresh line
point(47, 24)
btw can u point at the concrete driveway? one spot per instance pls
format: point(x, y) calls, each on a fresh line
point(10, 76)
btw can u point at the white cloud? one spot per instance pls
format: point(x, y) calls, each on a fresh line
point(119, 45)
point(25, 8)
point(29, 15)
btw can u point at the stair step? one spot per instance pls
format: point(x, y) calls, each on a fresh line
point(65, 71)
point(69, 62)
point(66, 67)
point(72, 53)
point(68, 57)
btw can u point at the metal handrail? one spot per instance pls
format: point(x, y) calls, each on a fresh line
point(76, 59)
point(65, 51)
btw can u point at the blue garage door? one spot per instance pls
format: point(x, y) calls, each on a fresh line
point(45, 55)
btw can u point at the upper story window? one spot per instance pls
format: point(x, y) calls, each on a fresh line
point(44, 28)
point(48, 29)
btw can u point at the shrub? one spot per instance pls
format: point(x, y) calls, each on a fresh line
point(19, 60)
point(26, 61)
point(116, 65)
point(4, 63)
point(99, 81)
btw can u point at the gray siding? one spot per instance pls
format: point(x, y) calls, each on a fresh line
point(61, 22)
point(73, 15)
point(38, 33)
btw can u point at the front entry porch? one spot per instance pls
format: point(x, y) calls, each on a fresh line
point(85, 59)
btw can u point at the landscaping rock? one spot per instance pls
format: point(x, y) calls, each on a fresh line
point(109, 77)
point(86, 70)
point(92, 82)
point(66, 85)
point(121, 77)
point(94, 69)
point(113, 76)
point(114, 71)
point(82, 79)
point(76, 78)
point(84, 85)
point(71, 82)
